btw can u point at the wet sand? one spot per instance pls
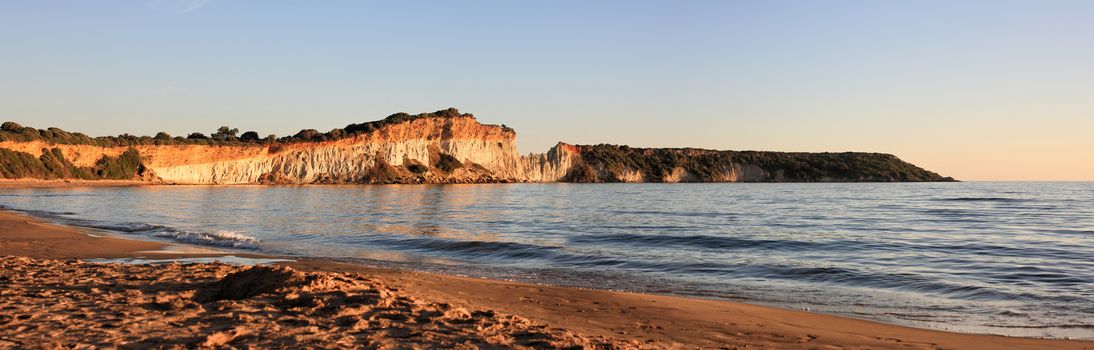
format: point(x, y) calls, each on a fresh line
point(318, 303)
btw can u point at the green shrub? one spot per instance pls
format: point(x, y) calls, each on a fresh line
point(381, 172)
point(11, 127)
point(582, 173)
point(448, 163)
point(123, 167)
point(417, 168)
point(11, 131)
point(15, 165)
point(50, 165)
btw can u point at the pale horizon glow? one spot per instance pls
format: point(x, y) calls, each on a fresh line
point(977, 90)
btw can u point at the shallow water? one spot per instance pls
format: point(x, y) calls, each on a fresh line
point(1003, 258)
point(226, 259)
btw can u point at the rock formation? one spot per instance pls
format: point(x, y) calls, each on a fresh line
point(440, 147)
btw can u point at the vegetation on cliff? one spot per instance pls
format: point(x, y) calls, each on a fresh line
point(123, 167)
point(843, 166)
point(595, 163)
point(368, 127)
point(11, 131)
point(447, 163)
point(657, 164)
point(583, 173)
point(53, 165)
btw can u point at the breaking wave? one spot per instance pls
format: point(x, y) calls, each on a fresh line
point(225, 239)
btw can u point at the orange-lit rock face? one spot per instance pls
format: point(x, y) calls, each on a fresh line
point(352, 159)
point(488, 152)
point(551, 166)
point(412, 151)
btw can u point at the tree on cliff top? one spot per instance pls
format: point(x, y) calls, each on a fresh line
point(11, 127)
point(225, 133)
point(249, 136)
point(11, 131)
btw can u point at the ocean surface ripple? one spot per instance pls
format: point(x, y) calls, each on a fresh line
point(1003, 258)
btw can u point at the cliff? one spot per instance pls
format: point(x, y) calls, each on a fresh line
point(440, 147)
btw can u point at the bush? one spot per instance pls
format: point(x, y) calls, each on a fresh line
point(224, 133)
point(16, 165)
point(448, 163)
point(124, 167)
point(417, 168)
point(249, 136)
point(582, 173)
point(381, 172)
point(53, 165)
point(11, 127)
point(308, 135)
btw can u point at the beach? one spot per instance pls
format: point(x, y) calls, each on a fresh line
point(51, 298)
point(207, 174)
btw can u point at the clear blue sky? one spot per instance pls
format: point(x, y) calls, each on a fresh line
point(972, 89)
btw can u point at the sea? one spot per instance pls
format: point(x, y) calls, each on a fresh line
point(1009, 258)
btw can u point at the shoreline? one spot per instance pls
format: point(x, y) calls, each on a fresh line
point(63, 183)
point(643, 318)
point(16, 184)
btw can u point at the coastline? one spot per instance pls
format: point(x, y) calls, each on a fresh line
point(627, 317)
point(58, 183)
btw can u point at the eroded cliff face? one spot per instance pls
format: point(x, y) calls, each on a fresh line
point(552, 166)
point(449, 149)
point(406, 153)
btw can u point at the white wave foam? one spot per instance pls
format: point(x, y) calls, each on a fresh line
point(219, 238)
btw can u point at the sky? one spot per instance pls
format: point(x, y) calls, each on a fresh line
point(977, 90)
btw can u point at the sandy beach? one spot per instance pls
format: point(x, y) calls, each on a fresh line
point(53, 299)
point(437, 174)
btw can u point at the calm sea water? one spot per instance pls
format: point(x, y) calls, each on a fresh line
point(1004, 258)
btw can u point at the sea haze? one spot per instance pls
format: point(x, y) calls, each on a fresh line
point(1003, 258)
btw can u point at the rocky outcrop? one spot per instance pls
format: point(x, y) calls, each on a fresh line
point(405, 153)
point(441, 147)
point(552, 166)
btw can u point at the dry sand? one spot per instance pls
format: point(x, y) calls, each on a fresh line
point(53, 303)
point(45, 303)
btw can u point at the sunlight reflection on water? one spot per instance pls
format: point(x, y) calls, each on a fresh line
point(1006, 258)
